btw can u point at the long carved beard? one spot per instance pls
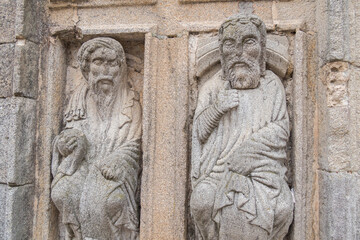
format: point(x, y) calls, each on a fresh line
point(104, 102)
point(244, 77)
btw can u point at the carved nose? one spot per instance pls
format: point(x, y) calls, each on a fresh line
point(105, 69)
point(239, 51)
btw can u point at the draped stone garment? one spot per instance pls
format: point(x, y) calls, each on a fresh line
point(108, 208)
point(254, 134)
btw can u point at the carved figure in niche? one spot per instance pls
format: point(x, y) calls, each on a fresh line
point(97, 198)
point(240, 133)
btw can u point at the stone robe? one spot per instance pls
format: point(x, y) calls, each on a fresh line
point(108, 208)
point(254, 134)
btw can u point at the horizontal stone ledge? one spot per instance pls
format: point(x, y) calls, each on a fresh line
point(209, 1)
point(280, 25)
point(58, 4)
point(125, 31)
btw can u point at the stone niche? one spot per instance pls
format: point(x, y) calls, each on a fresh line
point(285, 56)
point(64, 74)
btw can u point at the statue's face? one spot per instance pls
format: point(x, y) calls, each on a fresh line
point(241, 52)
point(104, 72)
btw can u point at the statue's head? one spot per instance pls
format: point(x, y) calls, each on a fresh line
point(103, 64)
point(242, 41)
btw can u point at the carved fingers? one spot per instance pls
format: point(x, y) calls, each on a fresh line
point(71, 144)
point(227, 99)
point(113, 172)
point(67, 145)
point(108, 173)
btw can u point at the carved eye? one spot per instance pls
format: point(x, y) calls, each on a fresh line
point(250, 41)
point(113, 63)
point(228, 43)
point(97, 62)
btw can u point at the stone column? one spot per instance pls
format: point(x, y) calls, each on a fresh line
point(165, 138)
point(338, 99)
point(19, 56)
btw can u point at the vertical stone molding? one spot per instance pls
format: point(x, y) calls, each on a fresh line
point(165, 141)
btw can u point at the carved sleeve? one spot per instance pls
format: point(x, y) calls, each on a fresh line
point(207, 121)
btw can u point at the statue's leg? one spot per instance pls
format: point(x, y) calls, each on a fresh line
point(283, 214)
point(201, 205)
point(236, 226)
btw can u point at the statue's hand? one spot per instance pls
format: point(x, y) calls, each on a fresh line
point(227, 99)
point(113, 172)
point(66, 145)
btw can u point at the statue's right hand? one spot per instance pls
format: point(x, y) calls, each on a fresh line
point(227, 99)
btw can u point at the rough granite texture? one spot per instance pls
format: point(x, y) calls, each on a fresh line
point(323, 104)
point(17, 117)
point(7, 24)
point(7, 57)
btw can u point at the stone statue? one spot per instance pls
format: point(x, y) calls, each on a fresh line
point(240, 133)
point(96, 158)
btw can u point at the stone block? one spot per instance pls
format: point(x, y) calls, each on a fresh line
point(26, 70)
point(354, 22)
point(68, 1)
point(338, 205)
point(3, 191)
point(7, 23)
point(19, 212)
point(17, 128)
point(6, 69)
point(333, 25)
point(28, 19)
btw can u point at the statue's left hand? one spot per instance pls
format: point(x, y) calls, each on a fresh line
point(113, 172)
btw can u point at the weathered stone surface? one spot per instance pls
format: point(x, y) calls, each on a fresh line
point(7, 23)
point(19, 212)
point(7, 58)
point(3, 192)
point(17, 128)
point(28, 19)
point(72, 1)
point(25, 78)
point(354, 25)
point(278, 58)
point(333, 26)
point(336, 76)
point(337, 155)
point(339, 205)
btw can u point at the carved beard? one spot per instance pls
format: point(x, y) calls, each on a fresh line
point(242, 74)
point(104, 102)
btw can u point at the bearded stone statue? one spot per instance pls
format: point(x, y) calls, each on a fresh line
point(240, 133)
point(96, 158)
